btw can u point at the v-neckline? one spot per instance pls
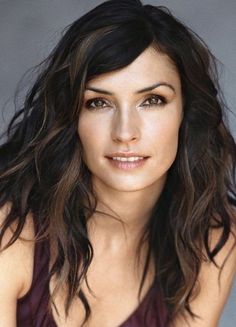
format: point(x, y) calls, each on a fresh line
point(131, 315)
point(127, 320)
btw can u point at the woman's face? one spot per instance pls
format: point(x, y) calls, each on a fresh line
point(122, 118)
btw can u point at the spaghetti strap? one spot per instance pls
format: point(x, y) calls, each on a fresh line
point(32, 308)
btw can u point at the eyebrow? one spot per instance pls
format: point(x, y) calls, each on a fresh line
point(149, 88)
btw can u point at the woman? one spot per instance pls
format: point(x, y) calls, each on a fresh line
point(117, 185)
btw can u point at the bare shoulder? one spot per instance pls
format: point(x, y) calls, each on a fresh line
point(16, 261)
point(214, 282)
point(226, 257)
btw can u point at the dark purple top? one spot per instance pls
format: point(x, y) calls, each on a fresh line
point(32, 308)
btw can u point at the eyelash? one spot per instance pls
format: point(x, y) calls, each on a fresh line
point(154, 96)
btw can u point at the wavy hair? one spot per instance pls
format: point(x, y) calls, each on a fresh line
point(41, 166)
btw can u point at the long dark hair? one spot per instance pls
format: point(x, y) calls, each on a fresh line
point(41, 166)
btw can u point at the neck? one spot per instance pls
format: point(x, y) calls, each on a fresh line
point(133, 208)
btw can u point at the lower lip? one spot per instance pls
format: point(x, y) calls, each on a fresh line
point(127, 165)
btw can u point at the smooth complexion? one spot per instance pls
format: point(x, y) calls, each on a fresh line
point(118, 116)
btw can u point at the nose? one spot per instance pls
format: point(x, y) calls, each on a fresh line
point(126, 127)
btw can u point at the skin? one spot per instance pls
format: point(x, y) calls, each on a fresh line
point(122, 122)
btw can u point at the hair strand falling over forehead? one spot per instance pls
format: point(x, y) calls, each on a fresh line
point(41, 166)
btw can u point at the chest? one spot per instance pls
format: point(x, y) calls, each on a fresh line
point(115, 299)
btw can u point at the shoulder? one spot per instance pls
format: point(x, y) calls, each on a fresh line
point(214, 283)
point(226, 257)
point(17, 260)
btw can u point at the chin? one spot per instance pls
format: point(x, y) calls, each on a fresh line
point(129, 184)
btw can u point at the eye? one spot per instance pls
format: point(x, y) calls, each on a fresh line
point(155, 100)
point(95, 103)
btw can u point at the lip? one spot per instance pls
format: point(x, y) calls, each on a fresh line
point(126, 155)
point(127, 165)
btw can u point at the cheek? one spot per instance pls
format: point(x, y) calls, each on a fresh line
point(91, 133)
point(164, 138)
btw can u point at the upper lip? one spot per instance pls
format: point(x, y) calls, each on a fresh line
point(125, 154)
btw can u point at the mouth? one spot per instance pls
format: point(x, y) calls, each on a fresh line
point(127, 163)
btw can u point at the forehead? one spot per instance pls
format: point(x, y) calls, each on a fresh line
point(148, 68)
